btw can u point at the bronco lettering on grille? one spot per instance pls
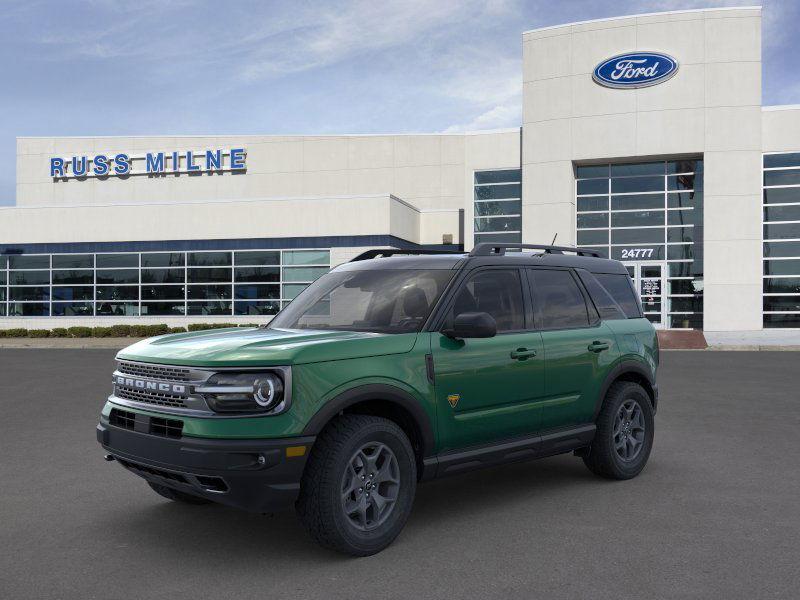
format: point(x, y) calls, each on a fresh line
point(155, 386)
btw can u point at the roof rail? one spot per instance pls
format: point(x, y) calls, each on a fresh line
point(384, 252)
point(488, 249)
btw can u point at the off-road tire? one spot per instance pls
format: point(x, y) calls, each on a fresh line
point(319, 505)
point(177, 496)
point(602, 458)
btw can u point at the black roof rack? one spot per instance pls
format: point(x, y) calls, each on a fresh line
point(488, 249)
point(377, 252)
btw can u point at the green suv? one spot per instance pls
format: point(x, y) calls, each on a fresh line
point(397, 367)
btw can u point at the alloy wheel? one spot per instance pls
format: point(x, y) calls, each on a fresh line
point(370, 486)
point(629, 430)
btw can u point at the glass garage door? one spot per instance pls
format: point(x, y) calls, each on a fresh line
point(649, 213)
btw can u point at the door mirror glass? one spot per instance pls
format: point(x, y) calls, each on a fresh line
point(472, 325)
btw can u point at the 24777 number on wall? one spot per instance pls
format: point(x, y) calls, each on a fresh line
point(637, 253)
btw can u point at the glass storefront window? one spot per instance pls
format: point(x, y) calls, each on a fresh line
point(257, 291)
point(29, 277)
point(497, 206)
point(67, 277)
point(304, 257)
point(209, 308)
point(85, 292)
point(256, 308)
point(265, 258)
point(209, 259)
point(116, 261)
point(73, 261)
point(781, 248)
point(29, 293)
point(73, 309)
point(172, 283)
point(163, 259)
point(208, 275)
point(40, 261)
point(117, 276)
point(163, 275)
point(649, 212)
point(208, 292)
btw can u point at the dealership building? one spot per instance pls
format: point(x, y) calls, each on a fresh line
point(643, 137)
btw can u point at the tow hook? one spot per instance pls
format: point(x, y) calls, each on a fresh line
point(109, 458)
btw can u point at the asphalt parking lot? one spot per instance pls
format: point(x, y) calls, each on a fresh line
point(714, 515)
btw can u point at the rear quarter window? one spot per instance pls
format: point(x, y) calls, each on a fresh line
point(620, 287)
point(605, 304)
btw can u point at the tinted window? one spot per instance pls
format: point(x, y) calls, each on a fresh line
point(608, 307)
point(620, 288)
point(558, 300)
point(496, 292)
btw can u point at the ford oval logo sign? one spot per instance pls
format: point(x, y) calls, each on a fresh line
point(635, 70)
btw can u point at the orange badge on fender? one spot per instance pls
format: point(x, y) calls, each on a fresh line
point(453, 399)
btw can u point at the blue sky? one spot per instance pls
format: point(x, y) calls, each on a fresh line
point(105, 67)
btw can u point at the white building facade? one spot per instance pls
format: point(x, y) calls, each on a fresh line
point(664, 158)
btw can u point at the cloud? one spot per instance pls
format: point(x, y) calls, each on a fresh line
point(497, 117)
point(337, 33)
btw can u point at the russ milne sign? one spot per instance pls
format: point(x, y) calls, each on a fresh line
point(151, 163)
point(635, 70)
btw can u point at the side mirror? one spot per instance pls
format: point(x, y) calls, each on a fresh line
point(472, 325)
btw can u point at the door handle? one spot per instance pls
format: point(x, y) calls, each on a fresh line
point(522, 353)
point(597, 346)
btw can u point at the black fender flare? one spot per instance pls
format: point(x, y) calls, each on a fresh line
point(375, 391)
point(627, 366)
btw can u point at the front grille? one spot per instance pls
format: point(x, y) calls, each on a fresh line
point(172, 428)
point(122, 418)
point(150, 397)
point(163, 372)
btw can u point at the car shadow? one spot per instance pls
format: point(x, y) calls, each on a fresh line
point(237, 537)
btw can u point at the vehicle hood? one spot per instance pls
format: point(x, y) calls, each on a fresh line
point(240, 346)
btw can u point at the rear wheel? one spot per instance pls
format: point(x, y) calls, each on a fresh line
point(359, 485)
point(624, 435)
point(175, 495)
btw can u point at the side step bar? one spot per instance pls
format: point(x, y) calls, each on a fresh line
point(527, 448)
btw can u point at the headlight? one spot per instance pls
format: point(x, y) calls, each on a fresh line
point(243, 392)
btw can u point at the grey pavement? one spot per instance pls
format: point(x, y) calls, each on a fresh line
point(714, 515)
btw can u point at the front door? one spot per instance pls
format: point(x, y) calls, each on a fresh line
point(649, 279)
point(489, 389)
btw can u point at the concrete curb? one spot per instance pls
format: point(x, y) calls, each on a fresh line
point(67, 343)
point(754, 347)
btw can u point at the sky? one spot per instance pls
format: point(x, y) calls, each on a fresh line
point(174, 67)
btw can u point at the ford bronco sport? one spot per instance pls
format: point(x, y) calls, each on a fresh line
point(394, 368)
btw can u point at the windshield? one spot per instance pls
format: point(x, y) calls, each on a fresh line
point(381, 301)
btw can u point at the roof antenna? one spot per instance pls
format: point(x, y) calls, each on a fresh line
point(553, 243)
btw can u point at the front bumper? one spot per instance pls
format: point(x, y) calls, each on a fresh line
point(256, 475)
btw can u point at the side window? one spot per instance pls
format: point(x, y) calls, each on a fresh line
point(495, 291)
point(558, 300)
point(608, 307)
point(620, 287)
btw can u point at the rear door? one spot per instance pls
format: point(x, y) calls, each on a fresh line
point(579, 347)
point(489, 389)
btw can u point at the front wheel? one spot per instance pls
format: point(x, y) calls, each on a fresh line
point(624, 435)
point(359, 485)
